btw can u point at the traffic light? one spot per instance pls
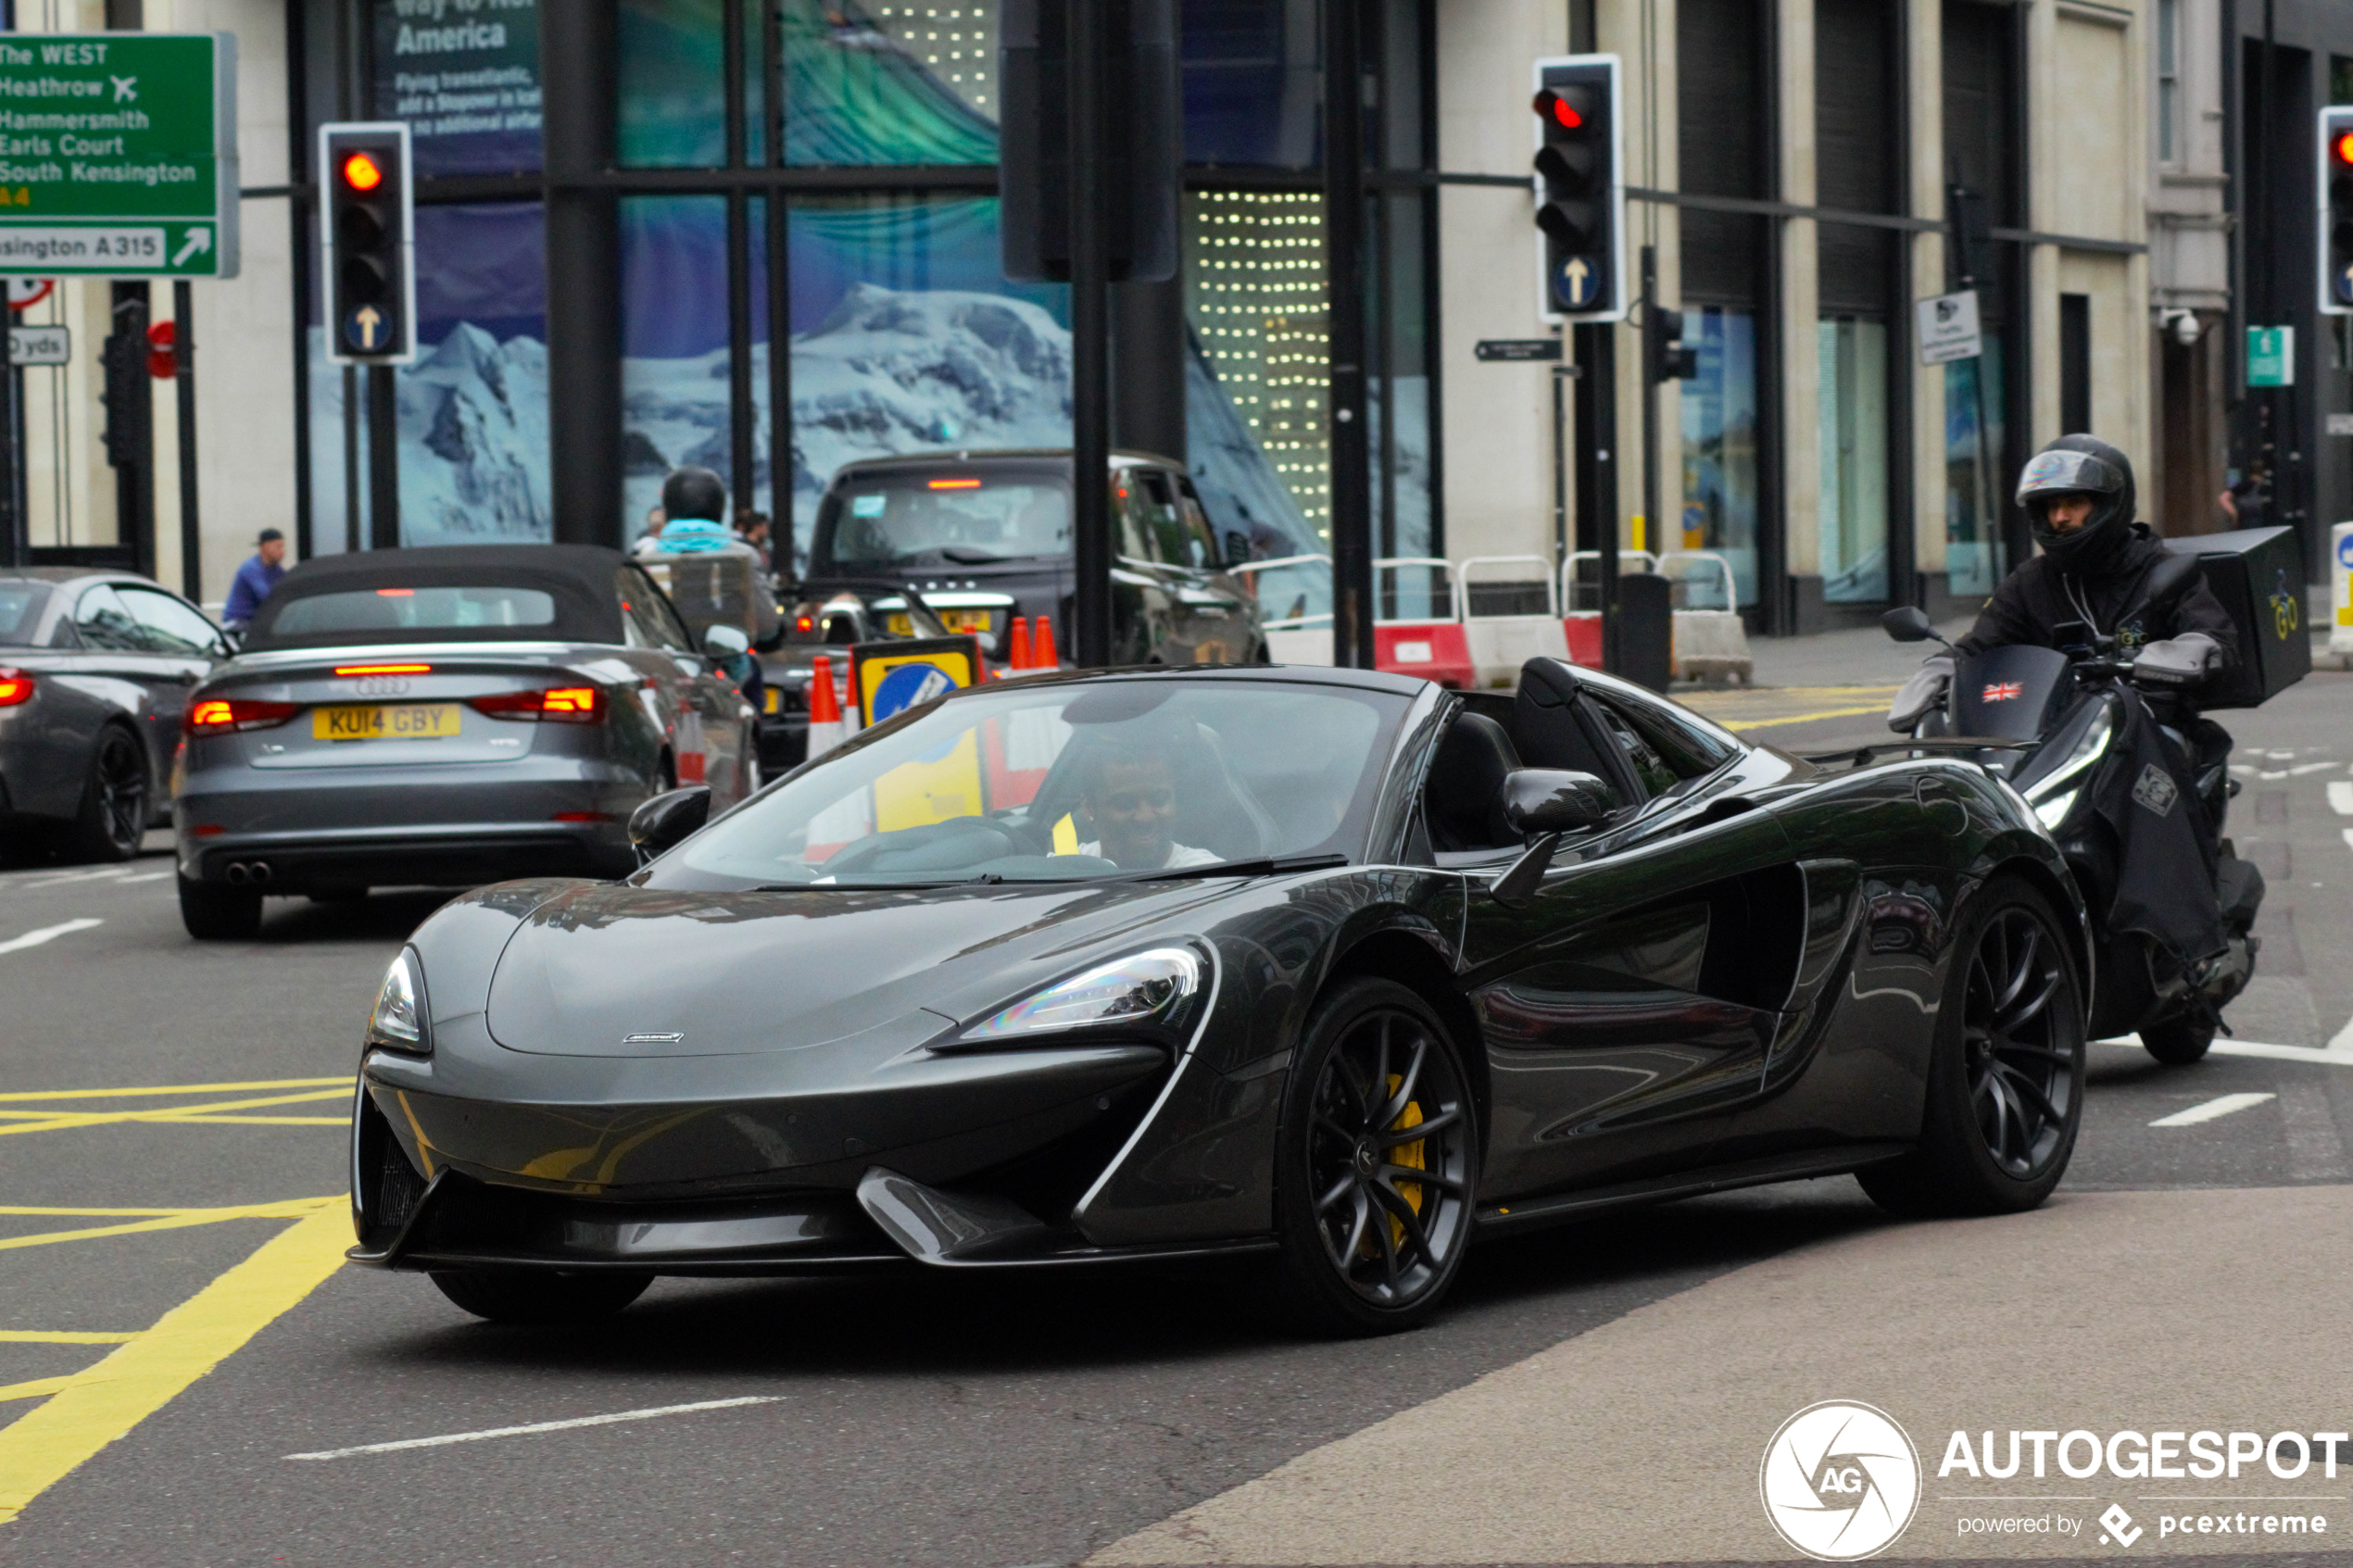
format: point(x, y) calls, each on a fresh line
point(366, 237)
point(1580, 188)
point(1663, 337)
point(2336, 211)
point(1142, 131)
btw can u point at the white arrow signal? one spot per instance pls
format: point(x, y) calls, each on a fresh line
point(197, 244)
point(1575, 271)
point(368, 320)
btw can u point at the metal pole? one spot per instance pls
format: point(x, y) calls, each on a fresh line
point(184, 354)
point(1352, 510)
point(1561, 374)
point(1090, 341)
point(383, 460)
point(352, 540)
point(1596, 457)
point(12, 524)
point(1649, 394)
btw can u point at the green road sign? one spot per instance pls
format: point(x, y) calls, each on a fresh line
point(2271, 355)
point(118, 154)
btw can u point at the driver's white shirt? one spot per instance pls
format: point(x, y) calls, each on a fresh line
point(1179, 855)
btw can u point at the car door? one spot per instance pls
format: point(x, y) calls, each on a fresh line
point(1144, 609)
point(1630, 1005)
point(1216, 618)
point(178, 634)
point(120, 652)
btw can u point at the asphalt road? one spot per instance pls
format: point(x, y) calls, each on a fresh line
point(947, 1422)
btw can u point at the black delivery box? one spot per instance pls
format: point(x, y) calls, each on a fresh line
point(2259, 575)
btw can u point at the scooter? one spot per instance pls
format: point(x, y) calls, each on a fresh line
point(2049, 719)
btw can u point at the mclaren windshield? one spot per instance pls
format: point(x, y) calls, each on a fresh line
point(1150, 776)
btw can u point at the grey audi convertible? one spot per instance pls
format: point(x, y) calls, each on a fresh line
point(443, 717)
point(1332, 971)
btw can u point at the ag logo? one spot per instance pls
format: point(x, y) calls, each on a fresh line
point(1840, 1481)
point(2156, 792)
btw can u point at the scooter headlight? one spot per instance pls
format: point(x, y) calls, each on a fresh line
point(2052, 812)
point(2089, 748)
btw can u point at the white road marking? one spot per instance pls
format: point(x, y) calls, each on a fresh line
point(2341, 796)
point(2303, 768)
point(2221, 1106)
point(144, 876)
point(2349, 841)
point(58, 879)
point(2337, 1053)
point(543, 1426)
point(46, 933)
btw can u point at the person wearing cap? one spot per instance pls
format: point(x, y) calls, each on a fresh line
point(254, 580)
point(2095, 558)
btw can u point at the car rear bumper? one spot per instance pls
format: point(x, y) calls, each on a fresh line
point(460, 857)
point(458, 827)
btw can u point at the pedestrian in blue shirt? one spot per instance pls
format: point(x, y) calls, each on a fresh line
point(254, 579)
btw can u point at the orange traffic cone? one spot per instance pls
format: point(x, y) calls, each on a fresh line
point(1019, 657)
point(825, 728)
point(1043, 654)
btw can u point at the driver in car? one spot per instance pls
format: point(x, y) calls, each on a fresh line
point(1131, 794)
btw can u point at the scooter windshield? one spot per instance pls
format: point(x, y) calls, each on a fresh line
point(2009, 693)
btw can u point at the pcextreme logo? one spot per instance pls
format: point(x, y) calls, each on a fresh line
point(1840, 1480)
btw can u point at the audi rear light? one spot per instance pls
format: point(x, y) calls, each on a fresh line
point(554, 705)
point(16, 687)
point(217, 715)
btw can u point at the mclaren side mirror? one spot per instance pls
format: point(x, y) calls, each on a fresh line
point(1555, 800)
point(1910, 623)
point(663, 823)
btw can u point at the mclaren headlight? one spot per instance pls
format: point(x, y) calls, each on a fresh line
point(2089, 747)
point(398, 1022)
point(1151, 988)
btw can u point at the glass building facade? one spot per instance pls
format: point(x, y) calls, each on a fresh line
point(790, 211)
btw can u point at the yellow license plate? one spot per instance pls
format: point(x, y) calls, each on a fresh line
point(407, 720)
point(903, 625)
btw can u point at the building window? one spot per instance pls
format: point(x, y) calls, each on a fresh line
point(1252, 82)
point(895, 83)
point(1854, 432)
point(1720, 441)
point(1974, 440)
point(906, 337)
point(2169, 80)
point(1254, 298)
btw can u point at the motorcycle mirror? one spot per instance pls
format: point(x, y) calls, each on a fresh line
point(663, 823)
point(1910, 623)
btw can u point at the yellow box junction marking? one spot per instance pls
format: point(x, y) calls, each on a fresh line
point(92, 1407)
point(57, 1120)
point(33, 1389)
point(60, 1336)
point(176, 1089)
point(169, 1220)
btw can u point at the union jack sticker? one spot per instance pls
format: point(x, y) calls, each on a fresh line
point(2003, 691)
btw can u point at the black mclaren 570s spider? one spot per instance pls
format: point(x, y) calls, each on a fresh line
point(1334, 967)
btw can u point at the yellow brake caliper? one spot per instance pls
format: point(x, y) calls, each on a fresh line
point(1412, 1156)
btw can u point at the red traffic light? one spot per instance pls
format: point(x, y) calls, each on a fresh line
point(361, 172)
point(1556, 107)
point(2343, 144)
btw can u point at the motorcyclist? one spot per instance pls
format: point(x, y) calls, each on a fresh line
point(2095, 558)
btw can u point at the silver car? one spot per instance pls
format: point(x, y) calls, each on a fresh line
point(96, 668)
point(445, 718)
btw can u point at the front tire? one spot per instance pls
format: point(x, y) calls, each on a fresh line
point(2178, 1041)
point(531, 1296)
point(2006, 1078)
point(1378, 1164)
point(213, 912)
point(113, 818)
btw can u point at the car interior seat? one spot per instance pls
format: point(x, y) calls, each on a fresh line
point(1464, 797)
point(1551, 729)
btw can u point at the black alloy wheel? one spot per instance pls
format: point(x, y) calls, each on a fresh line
point(1376, 1174)
point(114, 798)
point(2005, 1081)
